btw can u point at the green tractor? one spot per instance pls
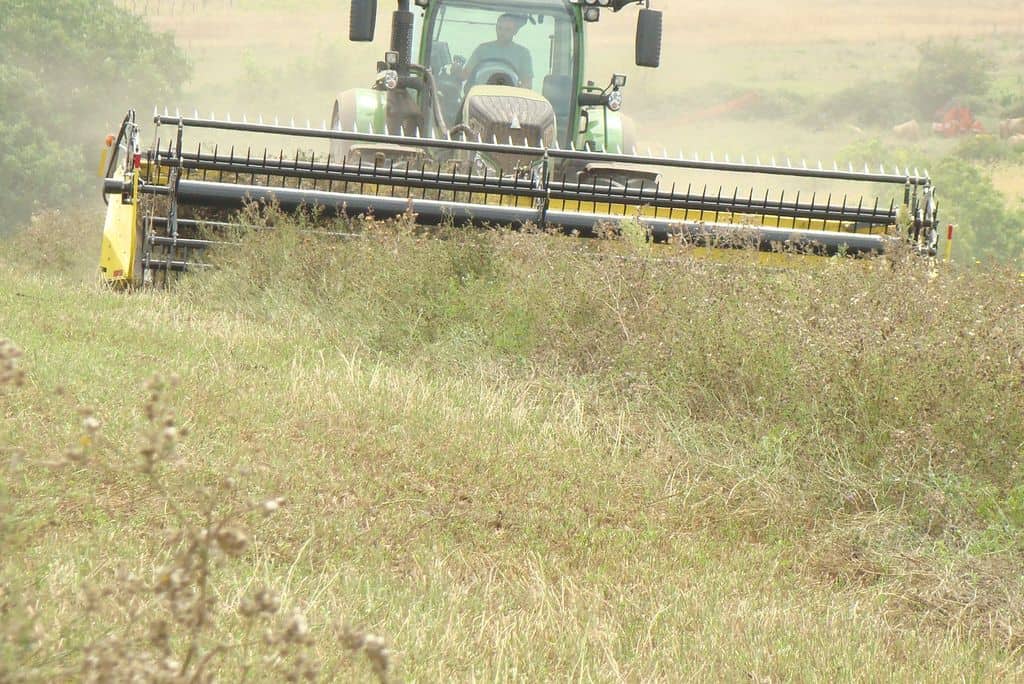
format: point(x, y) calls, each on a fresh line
point(461, 130)
point(445, 77)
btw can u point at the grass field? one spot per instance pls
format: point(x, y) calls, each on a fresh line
point(511, 457)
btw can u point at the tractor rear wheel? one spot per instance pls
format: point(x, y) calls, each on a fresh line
point(343, 118)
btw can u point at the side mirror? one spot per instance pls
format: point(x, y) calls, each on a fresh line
point(362, 21)
point(648, 38)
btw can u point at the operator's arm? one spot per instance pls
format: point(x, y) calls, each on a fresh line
point(526, 64)
point(463, 72)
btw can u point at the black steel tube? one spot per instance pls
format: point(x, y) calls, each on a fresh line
point(113, 186)
point(175, 265)
point(190, 243)
point(434, 212)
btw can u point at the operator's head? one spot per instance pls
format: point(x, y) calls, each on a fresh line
point(508, 26)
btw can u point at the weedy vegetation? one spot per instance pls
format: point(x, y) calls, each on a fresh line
point(511, 456)
point(434, 455)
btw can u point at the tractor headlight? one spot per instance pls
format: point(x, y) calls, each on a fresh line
point(591, 14)
point(391, 58)
point(388, 79)
point(618, 81)
point(615, 100)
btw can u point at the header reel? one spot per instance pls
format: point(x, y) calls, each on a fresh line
point(179, 198)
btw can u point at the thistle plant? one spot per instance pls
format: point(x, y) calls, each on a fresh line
point(172, 623)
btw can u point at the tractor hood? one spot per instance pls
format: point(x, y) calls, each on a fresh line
point(505, 113)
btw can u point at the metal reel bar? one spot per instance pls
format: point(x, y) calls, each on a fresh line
point(495, 147)
point(520, 186)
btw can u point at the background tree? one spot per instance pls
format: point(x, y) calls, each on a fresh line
point(69, 69)
point(948, 70)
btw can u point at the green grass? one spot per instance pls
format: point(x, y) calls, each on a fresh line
point(527, 458)
point(523, 457)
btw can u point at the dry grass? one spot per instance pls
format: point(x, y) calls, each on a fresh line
point(1009, 180)
point(516, 457)
point(519, 457)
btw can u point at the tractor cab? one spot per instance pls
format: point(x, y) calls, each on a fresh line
point(503, 53)
point(480, 115)
point(503, 71)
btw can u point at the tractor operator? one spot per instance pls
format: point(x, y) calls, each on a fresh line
point(502, 49)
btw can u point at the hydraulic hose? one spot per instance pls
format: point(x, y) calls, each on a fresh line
point(435, 102)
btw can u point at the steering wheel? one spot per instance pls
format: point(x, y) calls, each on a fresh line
point(491, 70)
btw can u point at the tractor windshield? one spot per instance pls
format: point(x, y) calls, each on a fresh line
point(532, 45)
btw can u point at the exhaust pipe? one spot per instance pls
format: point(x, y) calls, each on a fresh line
point(402, 35)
